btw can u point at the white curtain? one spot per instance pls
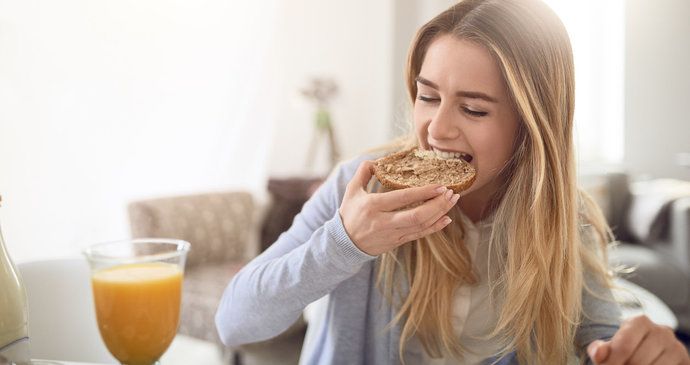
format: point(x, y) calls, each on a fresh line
point(103, 102)
point(597, 33)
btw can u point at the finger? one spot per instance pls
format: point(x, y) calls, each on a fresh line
point(396, 199)
point(362, 176)
point(445, 201)
point(437, 226)
point(627, 339)
point(598, 351)
point(662, 358)
point(649, 349)
point(675, 353)
point(423, 216)
point(667, 357)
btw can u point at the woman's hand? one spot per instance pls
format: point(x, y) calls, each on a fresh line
point(639, 342)
point(374, 225)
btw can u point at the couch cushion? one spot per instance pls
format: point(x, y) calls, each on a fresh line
point(203, 287)
point(217, 225)
point(649, 214)
point(655, 271)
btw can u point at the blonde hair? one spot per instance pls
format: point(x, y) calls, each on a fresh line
point(539, 245)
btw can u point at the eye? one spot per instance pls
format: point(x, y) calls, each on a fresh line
point(474, 113)
point(427, 99)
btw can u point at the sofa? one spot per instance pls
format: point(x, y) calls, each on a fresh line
point(659, 258)
point(225, 230)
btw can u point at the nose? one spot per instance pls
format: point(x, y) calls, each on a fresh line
point(443, 125)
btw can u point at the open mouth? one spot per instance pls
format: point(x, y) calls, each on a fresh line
point(452, 154)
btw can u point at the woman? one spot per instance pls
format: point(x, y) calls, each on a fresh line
point(513, 270)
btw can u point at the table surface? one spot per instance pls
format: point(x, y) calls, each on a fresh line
point(184, 350)
point(634, 300)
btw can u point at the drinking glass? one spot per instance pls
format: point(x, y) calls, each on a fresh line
point(137, 289)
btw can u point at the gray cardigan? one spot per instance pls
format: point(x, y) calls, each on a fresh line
point(316, 257)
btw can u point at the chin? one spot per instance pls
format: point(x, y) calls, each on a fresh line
point(481, 190)
point(472, 189)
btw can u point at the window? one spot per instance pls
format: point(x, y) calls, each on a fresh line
point(596, 30)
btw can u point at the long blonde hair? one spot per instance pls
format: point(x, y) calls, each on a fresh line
point(539, 245)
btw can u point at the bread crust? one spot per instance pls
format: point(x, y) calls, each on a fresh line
point(405, 169)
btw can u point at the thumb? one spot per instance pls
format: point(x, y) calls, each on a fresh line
point(599, 351)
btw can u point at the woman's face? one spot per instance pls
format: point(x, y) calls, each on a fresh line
point(462, 105)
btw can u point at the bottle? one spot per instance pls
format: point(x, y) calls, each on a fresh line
point(14, 336)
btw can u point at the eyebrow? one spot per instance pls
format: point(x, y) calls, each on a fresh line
point(462, 93)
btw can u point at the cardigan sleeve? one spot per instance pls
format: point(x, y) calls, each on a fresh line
point(306, 262)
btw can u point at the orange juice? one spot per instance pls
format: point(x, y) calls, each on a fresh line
point(138, 308)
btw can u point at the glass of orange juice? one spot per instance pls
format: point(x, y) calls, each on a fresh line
point(137, 290)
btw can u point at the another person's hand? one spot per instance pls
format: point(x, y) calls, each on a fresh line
point(639, 342)
point(374, 225)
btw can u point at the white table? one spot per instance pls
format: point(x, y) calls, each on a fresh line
point(184, 350)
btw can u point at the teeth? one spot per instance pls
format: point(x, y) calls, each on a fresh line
point(448, 155)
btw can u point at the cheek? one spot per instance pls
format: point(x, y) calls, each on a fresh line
point(495, 148)
point(501, 146)
point(420, 122)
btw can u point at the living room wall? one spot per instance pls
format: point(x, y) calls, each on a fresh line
point(657, 87)
point(350, 42)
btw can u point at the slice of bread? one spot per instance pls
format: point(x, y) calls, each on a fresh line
point(415, 167)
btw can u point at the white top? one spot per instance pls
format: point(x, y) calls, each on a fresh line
point(474, 315)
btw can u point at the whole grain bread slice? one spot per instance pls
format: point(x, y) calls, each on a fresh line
point(416, 167)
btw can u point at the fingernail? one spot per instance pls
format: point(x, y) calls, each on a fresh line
point(593, 352)
point(449, 194)
point(455, 198)
point(446, 221)
point(441, 189)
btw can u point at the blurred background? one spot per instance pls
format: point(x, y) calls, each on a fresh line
point(104, 103)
